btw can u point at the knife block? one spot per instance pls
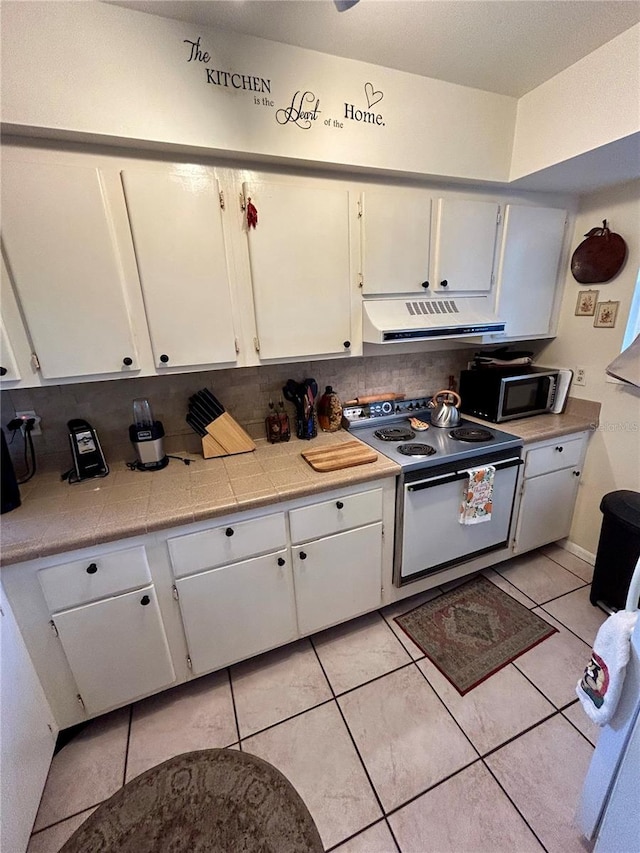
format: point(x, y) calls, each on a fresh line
point(225, 437)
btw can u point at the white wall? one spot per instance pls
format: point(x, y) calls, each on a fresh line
point(114, 74)
point(590, 104)
point(613, 459)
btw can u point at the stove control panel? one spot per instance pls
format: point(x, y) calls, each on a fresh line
point(386, 408)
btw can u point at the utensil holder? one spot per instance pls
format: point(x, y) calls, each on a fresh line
point(225, 437)
point(306, 424)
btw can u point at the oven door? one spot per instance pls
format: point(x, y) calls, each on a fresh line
point(431, 536)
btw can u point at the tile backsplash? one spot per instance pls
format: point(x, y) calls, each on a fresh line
point(245, 393)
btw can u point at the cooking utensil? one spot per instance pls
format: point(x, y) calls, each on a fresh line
point(445, 413)
point(374, 398)
point(196, 424)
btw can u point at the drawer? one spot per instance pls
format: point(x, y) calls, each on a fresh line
point(227, 543)
point(323, 519)
point(71, 584)
point(553, 457)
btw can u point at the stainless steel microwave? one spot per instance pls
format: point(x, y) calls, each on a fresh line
point(504, 393)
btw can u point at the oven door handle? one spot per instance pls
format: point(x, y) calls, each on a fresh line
point(442, 479)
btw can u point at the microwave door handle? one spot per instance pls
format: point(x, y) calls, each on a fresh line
point(552, 393)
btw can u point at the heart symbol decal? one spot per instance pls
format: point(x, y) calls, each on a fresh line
point(372, 96)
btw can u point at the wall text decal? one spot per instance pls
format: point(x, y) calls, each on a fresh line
point(296, 111)
point(226, 79)
point(373, 97)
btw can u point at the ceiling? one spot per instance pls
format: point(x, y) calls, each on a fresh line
point(504, 46)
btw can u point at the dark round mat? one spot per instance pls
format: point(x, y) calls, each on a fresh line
point(211, 800)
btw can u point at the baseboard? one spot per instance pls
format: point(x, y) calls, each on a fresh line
point(585, 555)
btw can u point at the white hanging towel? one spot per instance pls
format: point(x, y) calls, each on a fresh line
point(477, 498)
point(600, 686)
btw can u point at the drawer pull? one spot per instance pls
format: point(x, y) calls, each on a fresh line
point(281, 561)
point(559, 449)
point(145, 600)
point(576, 473)
point(303, 556)
point(229, 531)
point(339, 504)
point(92, 569)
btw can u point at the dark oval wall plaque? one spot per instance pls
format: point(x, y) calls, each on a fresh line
point(600, 257)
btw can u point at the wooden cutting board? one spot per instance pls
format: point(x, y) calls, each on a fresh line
point(342, 456)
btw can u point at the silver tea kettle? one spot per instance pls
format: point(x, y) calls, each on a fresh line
point(445, 413)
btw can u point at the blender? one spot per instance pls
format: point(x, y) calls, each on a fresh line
point(146, 435)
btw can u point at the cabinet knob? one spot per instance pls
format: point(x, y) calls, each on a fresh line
point(303, 556)
point(145, 600)
point(3, 371)
point(229, 531)
point(92, 569)
point(281, 561)
point(560, 449)
point(339, 504)
point(346, 344)
point(576, 473)
point(164, 358)
point(444, 283)
point(425, 284)
point(127, 361)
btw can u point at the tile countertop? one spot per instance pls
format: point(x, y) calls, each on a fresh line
point(56, 517)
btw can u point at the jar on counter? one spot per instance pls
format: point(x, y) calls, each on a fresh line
point(329, 411)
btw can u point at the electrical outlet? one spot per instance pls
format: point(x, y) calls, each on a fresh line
point(24, 416)
point(580, 376)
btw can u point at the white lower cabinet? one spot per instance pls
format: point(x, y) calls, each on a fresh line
point(116, 648)
point(338, 577)
point(548, 492)
point(233, 612)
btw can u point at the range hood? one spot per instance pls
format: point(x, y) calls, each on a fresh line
point(407, 319)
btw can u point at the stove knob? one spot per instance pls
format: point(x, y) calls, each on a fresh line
point(386, 408)
point(410, 407)
point(397, 408)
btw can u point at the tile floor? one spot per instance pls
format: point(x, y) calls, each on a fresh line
point(386, 754)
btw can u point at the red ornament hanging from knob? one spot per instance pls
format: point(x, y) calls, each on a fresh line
point(252, 214)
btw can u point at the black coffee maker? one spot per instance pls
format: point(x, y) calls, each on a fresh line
point(9, 491)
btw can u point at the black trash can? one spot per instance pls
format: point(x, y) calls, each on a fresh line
point(618, 548)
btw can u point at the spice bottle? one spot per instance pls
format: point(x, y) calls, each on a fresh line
point(329, 411)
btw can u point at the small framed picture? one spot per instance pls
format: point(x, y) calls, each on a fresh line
point(586, 305)
point(605, 317)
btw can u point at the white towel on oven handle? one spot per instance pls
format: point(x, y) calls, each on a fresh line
point(477, 499)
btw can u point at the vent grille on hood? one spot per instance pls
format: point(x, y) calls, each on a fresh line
point(442, 306)
point(402, 319)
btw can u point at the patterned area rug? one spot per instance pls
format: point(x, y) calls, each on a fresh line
point(473, 631)
point(211, 800)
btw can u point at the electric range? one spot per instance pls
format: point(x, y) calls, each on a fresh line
point(385, 427)
point(437, 466)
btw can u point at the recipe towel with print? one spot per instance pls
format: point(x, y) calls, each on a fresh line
point(600, 686)
point(477, 498)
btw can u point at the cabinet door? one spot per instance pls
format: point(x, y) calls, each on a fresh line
point(396, 231)
point(176, 222)
point(62, 255)
point(546, 509)
point(116, 648)
point(237, 611)
point(338, 577)
point(465, 240)
point(8, 368)
point(27, 736)
point(528, 268)
point(299, 254)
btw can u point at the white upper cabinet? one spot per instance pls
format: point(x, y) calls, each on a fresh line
point(300, 269)
point(60, 244)
point(396, 232)
point(528, 269)
point(175, 215)
point(464, 245)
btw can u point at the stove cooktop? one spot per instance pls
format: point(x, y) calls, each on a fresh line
point(387, 429)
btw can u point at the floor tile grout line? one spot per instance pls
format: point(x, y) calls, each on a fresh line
point(565, 567)
point(235, 710)
point(126, 751)
point(532, 683)
point(356, 834)
point(352, 739)
point(386, 622)
point(563, 594)
point(287, 719)
point(430, 788)
point(447, 709)
point(68, 817)
point(517, 588)
point(554, 713)
point(570, 630)
point(504, 791)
